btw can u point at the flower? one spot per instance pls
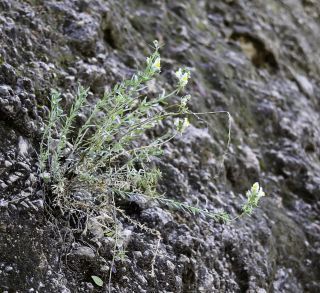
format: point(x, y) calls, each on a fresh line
point(257, 190)
point(183, 76)
point(156, 65)
point(184, 100)
point(181, 124)
point(253, 195)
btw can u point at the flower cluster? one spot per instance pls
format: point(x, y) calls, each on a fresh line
point(183, 103)
point(253, 197)
point(183, 76)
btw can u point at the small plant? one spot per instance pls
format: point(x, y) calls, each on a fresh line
point(88, 168)
point(253, 195)
point(85, 166)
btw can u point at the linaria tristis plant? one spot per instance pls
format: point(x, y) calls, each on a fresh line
point(103, 158)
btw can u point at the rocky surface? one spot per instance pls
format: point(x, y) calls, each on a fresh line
point(257, 59)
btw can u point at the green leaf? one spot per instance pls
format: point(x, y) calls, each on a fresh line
point(97, 281)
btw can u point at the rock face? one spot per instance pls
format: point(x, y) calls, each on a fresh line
point(259, 60)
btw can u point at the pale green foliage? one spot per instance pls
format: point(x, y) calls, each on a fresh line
point(105, 157)
point(195, 210)
point(108, 156)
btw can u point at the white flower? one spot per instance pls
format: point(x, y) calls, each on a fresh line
point(254, 195)
point(181, 124)
point(156, 65)
point(256, 189)
point(184, 100)
point(183, 76)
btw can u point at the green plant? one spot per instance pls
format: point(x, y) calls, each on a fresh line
point(104, 157)
point(253, 195)
point(88, 168)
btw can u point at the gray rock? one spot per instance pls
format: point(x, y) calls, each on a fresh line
point(257, 60)
point(84, 252)
point(5, 90)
